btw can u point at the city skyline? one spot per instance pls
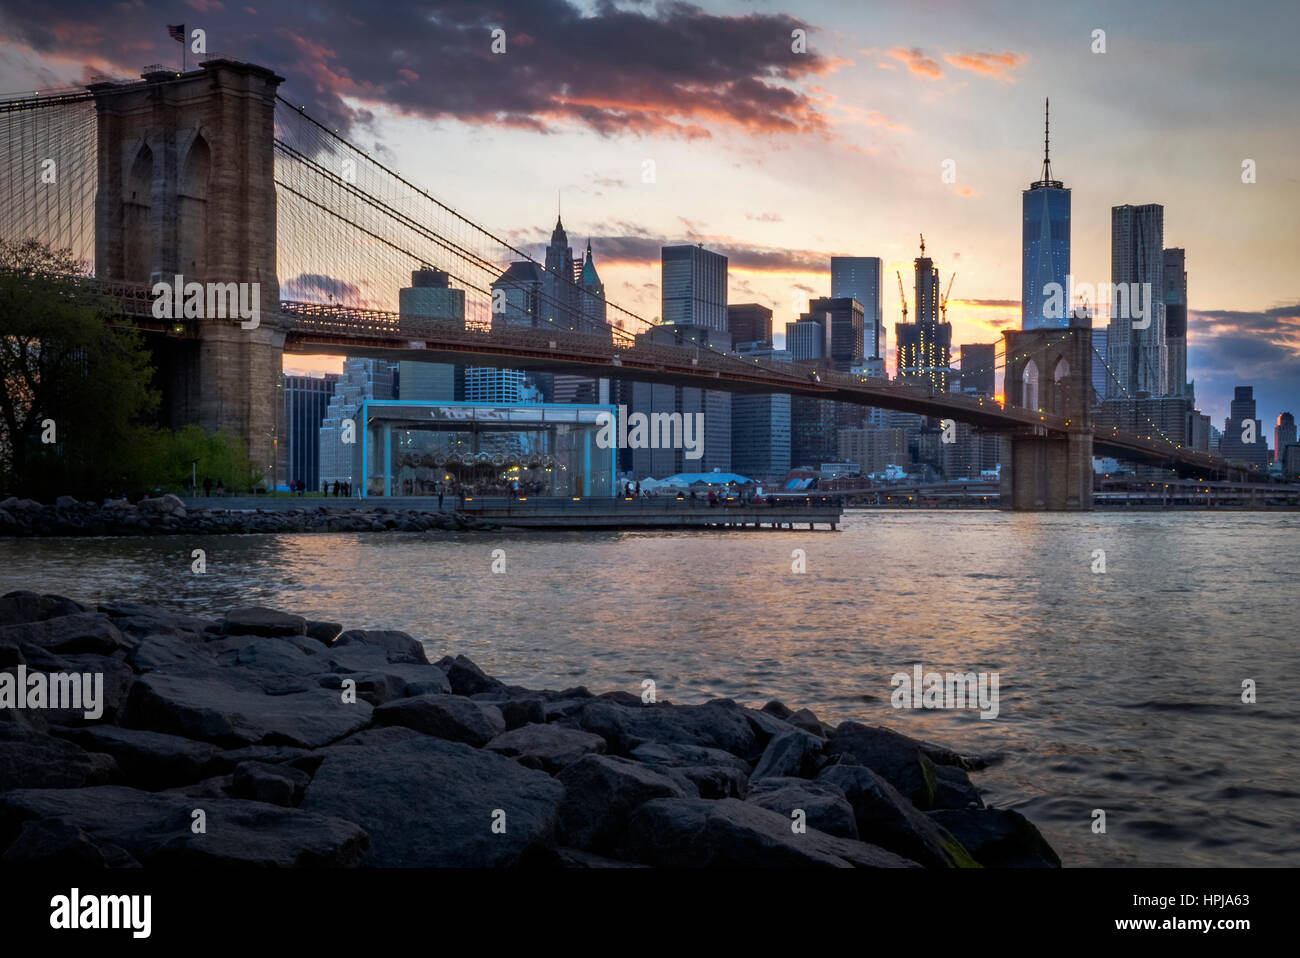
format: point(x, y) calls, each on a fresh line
point(845, 147)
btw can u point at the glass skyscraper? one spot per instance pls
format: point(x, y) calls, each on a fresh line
point(858, 277)
point(694, 287)
point(1046, 250)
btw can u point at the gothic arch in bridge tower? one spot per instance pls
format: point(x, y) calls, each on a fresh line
point(1060, 387)
point(137, 212)
point(192, 209)
point(1029, 379)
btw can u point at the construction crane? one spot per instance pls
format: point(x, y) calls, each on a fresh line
point(943, 303)
point(901, 295)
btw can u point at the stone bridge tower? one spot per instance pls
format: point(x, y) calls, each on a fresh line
point(186, 186)
point(1050, 370)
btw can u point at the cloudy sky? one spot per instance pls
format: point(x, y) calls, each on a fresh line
point(780, 159)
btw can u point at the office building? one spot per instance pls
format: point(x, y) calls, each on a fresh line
point(306, 399)
point(430, 298)
point(1138, 357)
point(749, 323)
point(361, 380)
point(693, 285)
point(1045, 247)
point(858, 277)
point(1243, 435)
point(760, 423)
point(979, 369)
point(844, 319)
point(1284, 433)
point(1174, 270)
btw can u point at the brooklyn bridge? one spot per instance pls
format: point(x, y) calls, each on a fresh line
point(212, 175)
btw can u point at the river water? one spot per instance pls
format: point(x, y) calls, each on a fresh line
point(1119, 691)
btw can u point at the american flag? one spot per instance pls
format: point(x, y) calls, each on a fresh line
point(177, 32)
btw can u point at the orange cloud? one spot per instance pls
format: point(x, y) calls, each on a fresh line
point(966, 191)
point(917, 62)
point(996, 65)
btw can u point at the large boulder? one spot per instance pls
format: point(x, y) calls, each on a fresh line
point(56, 843)
point(23, 606)
point(466, 677)
point(624, 727)
point(429, 803)
point(600, 793)
point(889, 820)
point(69, 634)
point(167, 505)
point(156, 828)
point(698, 832)
point(823, 804)
point(32, 759)
point(791, 754)
point(274, 784)
point(231, 710)
point(548, 748)
point(999, 837)
point(258, 620)
point(896, 758)
point(150, 761)
point(398, 646)
point(710, 772)
point(444, 716)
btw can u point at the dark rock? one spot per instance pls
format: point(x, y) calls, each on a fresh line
point(600, 792)
point(823, 803)
point(625, 727)
point(999, 837)
point(149, 760)
point(274, 784)
point(444, 716)
point(431, 803)
point(791, 754)
point(20, 607)
point(155, 827)
point(546, 747)
point(323, 632)
point(896, 758)
point(31, 759)
point(779, 709)
point(621, 697)
point(398, 646)
point(116, 685)
point(233, 712)
point(57, 843)
point(389, 735)
point(577, 858)
point(887, 819)
point(805, 719)
point(698, 833)
point(942, 755)
point(69, 634)
point(711, 772)
point(257, 620)
point(467, 678)
point(953, 788)
point(226, 762)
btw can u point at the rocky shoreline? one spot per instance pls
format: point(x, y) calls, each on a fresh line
point(264, 738)
point(168, 515)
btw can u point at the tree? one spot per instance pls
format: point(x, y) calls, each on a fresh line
point(75, 377)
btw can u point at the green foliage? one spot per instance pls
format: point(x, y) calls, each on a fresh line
point(166, 460)
point(71, 371)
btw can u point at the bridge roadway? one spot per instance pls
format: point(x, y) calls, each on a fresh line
point(312, 328)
